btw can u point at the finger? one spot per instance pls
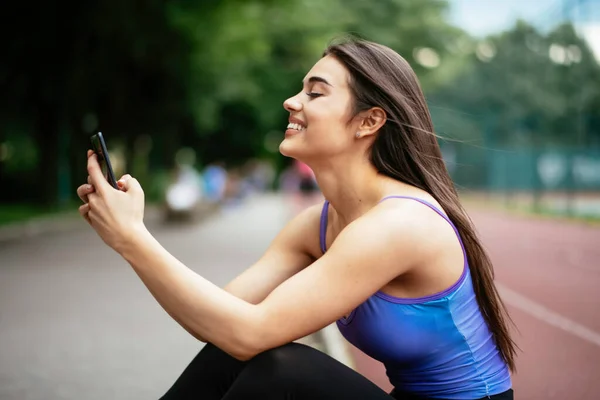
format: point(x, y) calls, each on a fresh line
point(93, 200)
point(96, 175)
point(83, 191)
point(121, 181)
point(131, 185)
point(89, 180)
point(91, 217)
point(96, 205)
point(89, 153)
point(84, 211)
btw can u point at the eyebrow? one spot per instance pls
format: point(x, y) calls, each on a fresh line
point(319, 79)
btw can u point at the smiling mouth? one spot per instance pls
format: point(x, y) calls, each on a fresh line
point(296, 127)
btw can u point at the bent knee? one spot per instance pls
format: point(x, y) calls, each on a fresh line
point(285, 359)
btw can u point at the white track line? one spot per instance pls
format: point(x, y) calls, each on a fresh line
point(548, 316)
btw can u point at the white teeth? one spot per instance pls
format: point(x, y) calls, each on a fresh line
point(297, 127)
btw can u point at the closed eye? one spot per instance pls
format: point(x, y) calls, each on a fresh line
point(314, 95)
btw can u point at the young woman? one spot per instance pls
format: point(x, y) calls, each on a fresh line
point(391, 256)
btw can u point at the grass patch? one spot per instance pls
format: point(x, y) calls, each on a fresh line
point(559, 214)
point(527, 209)
point(14, 213)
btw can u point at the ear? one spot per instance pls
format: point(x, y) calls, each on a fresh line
point(372, 120)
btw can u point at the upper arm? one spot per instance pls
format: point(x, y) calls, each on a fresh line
point(290, 252)
point(367, 254)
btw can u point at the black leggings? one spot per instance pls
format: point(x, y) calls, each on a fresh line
point(290, 372)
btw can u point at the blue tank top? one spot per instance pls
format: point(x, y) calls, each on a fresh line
point(438, 346)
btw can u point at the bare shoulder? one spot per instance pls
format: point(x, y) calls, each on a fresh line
point(401, 228)
point(417, 209)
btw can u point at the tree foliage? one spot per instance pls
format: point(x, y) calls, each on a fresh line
point(213, 75)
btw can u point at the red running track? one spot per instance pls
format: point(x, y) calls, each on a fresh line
point(549, 276)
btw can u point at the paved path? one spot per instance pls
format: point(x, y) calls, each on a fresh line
point(77, 323)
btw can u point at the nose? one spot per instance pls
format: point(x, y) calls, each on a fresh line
point(292, 104)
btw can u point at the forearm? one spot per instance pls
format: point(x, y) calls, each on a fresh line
point(178, 320)
point(198, 305)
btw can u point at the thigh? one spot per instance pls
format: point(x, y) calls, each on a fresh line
point(208, 376)
point(299, 372)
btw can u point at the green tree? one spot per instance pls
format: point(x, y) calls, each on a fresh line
point(114, 67)
point(523, 90)
point(211, 75)
point(260, 50)
point(534, 87)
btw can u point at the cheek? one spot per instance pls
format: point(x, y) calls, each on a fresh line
point(327, 142)
point(326, 122)
point(333, 136)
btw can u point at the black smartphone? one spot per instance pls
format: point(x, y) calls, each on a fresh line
point(99, 147)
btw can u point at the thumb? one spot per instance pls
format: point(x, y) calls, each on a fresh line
point(129, 184)
point(121, 181)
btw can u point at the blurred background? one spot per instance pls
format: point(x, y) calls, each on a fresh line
point(513, 87)
point(188, 96)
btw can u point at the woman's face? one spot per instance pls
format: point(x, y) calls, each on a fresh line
point(319, 115)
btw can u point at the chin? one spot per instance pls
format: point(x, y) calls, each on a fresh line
point(288, 148)
point(297, 148)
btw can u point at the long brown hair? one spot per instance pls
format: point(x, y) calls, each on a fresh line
point(406, 149)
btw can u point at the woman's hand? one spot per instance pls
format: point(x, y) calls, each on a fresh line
point(116, 215)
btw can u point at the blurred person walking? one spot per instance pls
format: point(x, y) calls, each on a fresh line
point(215, 182)
point(391, 257)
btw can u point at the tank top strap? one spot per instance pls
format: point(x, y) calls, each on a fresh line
point(323, 226)
point(325, 214)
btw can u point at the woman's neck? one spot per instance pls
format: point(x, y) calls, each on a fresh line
point(353, 189)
